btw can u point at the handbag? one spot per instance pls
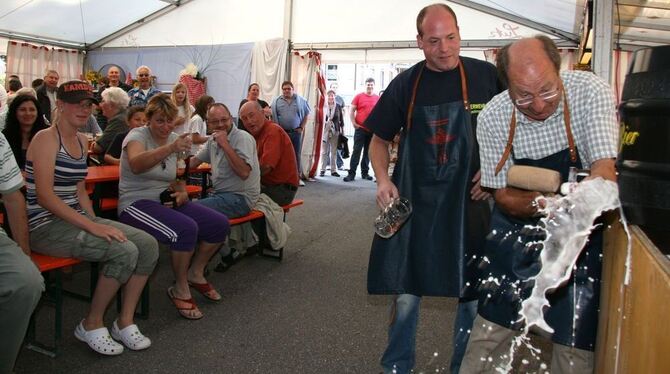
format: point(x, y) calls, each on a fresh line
point(343, 145)
point(165, 197)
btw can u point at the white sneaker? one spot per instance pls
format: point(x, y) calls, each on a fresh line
point(131, 337)
point(99, 340)
point(301, 183)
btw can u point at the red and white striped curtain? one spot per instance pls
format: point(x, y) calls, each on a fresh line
point(309, 83)
point(30, 62)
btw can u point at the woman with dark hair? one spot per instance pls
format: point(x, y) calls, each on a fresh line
point(24, 120)
point(197, 125)
point(253, 92)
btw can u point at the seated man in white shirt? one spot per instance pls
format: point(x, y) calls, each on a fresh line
point(235, 170)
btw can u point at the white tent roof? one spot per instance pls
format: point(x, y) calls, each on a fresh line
point(89, 24)
point(72, 23)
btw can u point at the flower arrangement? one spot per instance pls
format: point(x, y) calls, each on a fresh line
point(191, 70)
point(93, 77)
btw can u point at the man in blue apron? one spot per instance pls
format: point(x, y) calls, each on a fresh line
point(551, 120)
point(435, 103)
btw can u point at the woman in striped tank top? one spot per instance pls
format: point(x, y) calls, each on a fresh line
point(62, 223)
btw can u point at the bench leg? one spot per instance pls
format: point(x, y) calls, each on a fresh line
point(54, 291)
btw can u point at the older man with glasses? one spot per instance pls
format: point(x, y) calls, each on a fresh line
point(235, 172)
point(140, 95)
point(553, 120)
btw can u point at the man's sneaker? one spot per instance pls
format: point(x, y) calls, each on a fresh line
point(335, 174)
point(301, 183)
point(322, 173)
point(349, 178)
point(366, 177)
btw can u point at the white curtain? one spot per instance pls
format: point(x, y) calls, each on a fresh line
point(30, 61)
point(310, 84)
point(268, 67)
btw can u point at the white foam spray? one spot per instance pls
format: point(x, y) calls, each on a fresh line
point(567, 222)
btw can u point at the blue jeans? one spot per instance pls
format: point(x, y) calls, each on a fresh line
point(229, 203)
point(296, 139)
point(399, 356)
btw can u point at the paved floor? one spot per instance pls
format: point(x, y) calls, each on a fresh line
point(308, 314)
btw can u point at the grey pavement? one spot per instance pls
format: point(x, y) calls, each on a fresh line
point(309, 313)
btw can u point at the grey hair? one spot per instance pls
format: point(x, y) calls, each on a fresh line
point(116, 96)
point(22, 91)
point(143, 67)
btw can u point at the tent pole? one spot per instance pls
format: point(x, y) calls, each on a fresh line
point(288, 31)
point(603, 26)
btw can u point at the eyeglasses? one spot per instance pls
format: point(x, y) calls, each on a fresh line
point(546, 96)
point(142, 75)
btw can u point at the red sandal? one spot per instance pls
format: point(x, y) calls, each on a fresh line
point(207, 290)
point(185, 307)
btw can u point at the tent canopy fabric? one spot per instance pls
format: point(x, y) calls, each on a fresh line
point(90, 24)
point(71, 23)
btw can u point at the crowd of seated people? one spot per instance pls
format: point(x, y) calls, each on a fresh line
point(46, 138)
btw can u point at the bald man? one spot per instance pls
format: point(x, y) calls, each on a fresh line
point(434, 107)
point(279, 176)
point(556, 120)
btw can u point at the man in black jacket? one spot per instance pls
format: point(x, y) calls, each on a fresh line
point(46, 93)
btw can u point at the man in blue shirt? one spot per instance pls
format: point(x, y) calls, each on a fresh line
point(141, 95)
point(290, 111)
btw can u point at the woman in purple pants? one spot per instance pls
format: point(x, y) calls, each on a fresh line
point(148, 168)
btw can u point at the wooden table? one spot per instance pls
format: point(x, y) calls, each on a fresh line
point(100, 174)
point(110, 173)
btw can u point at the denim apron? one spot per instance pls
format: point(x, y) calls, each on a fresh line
point(426, 257)
point(511, 261)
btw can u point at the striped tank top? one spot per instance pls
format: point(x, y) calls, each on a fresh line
point(67, 173)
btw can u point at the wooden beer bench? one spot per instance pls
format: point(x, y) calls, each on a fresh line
point(257, 214)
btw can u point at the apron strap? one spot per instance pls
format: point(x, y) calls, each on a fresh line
point(508, 146)
point(410, 109)
point(464, 92)
point(568, 132)
point(568, 129)
point(464, 87)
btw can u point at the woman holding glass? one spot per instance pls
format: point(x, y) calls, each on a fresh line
point(148, 171)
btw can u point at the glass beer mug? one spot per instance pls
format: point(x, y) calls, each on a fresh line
point(392, 217)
